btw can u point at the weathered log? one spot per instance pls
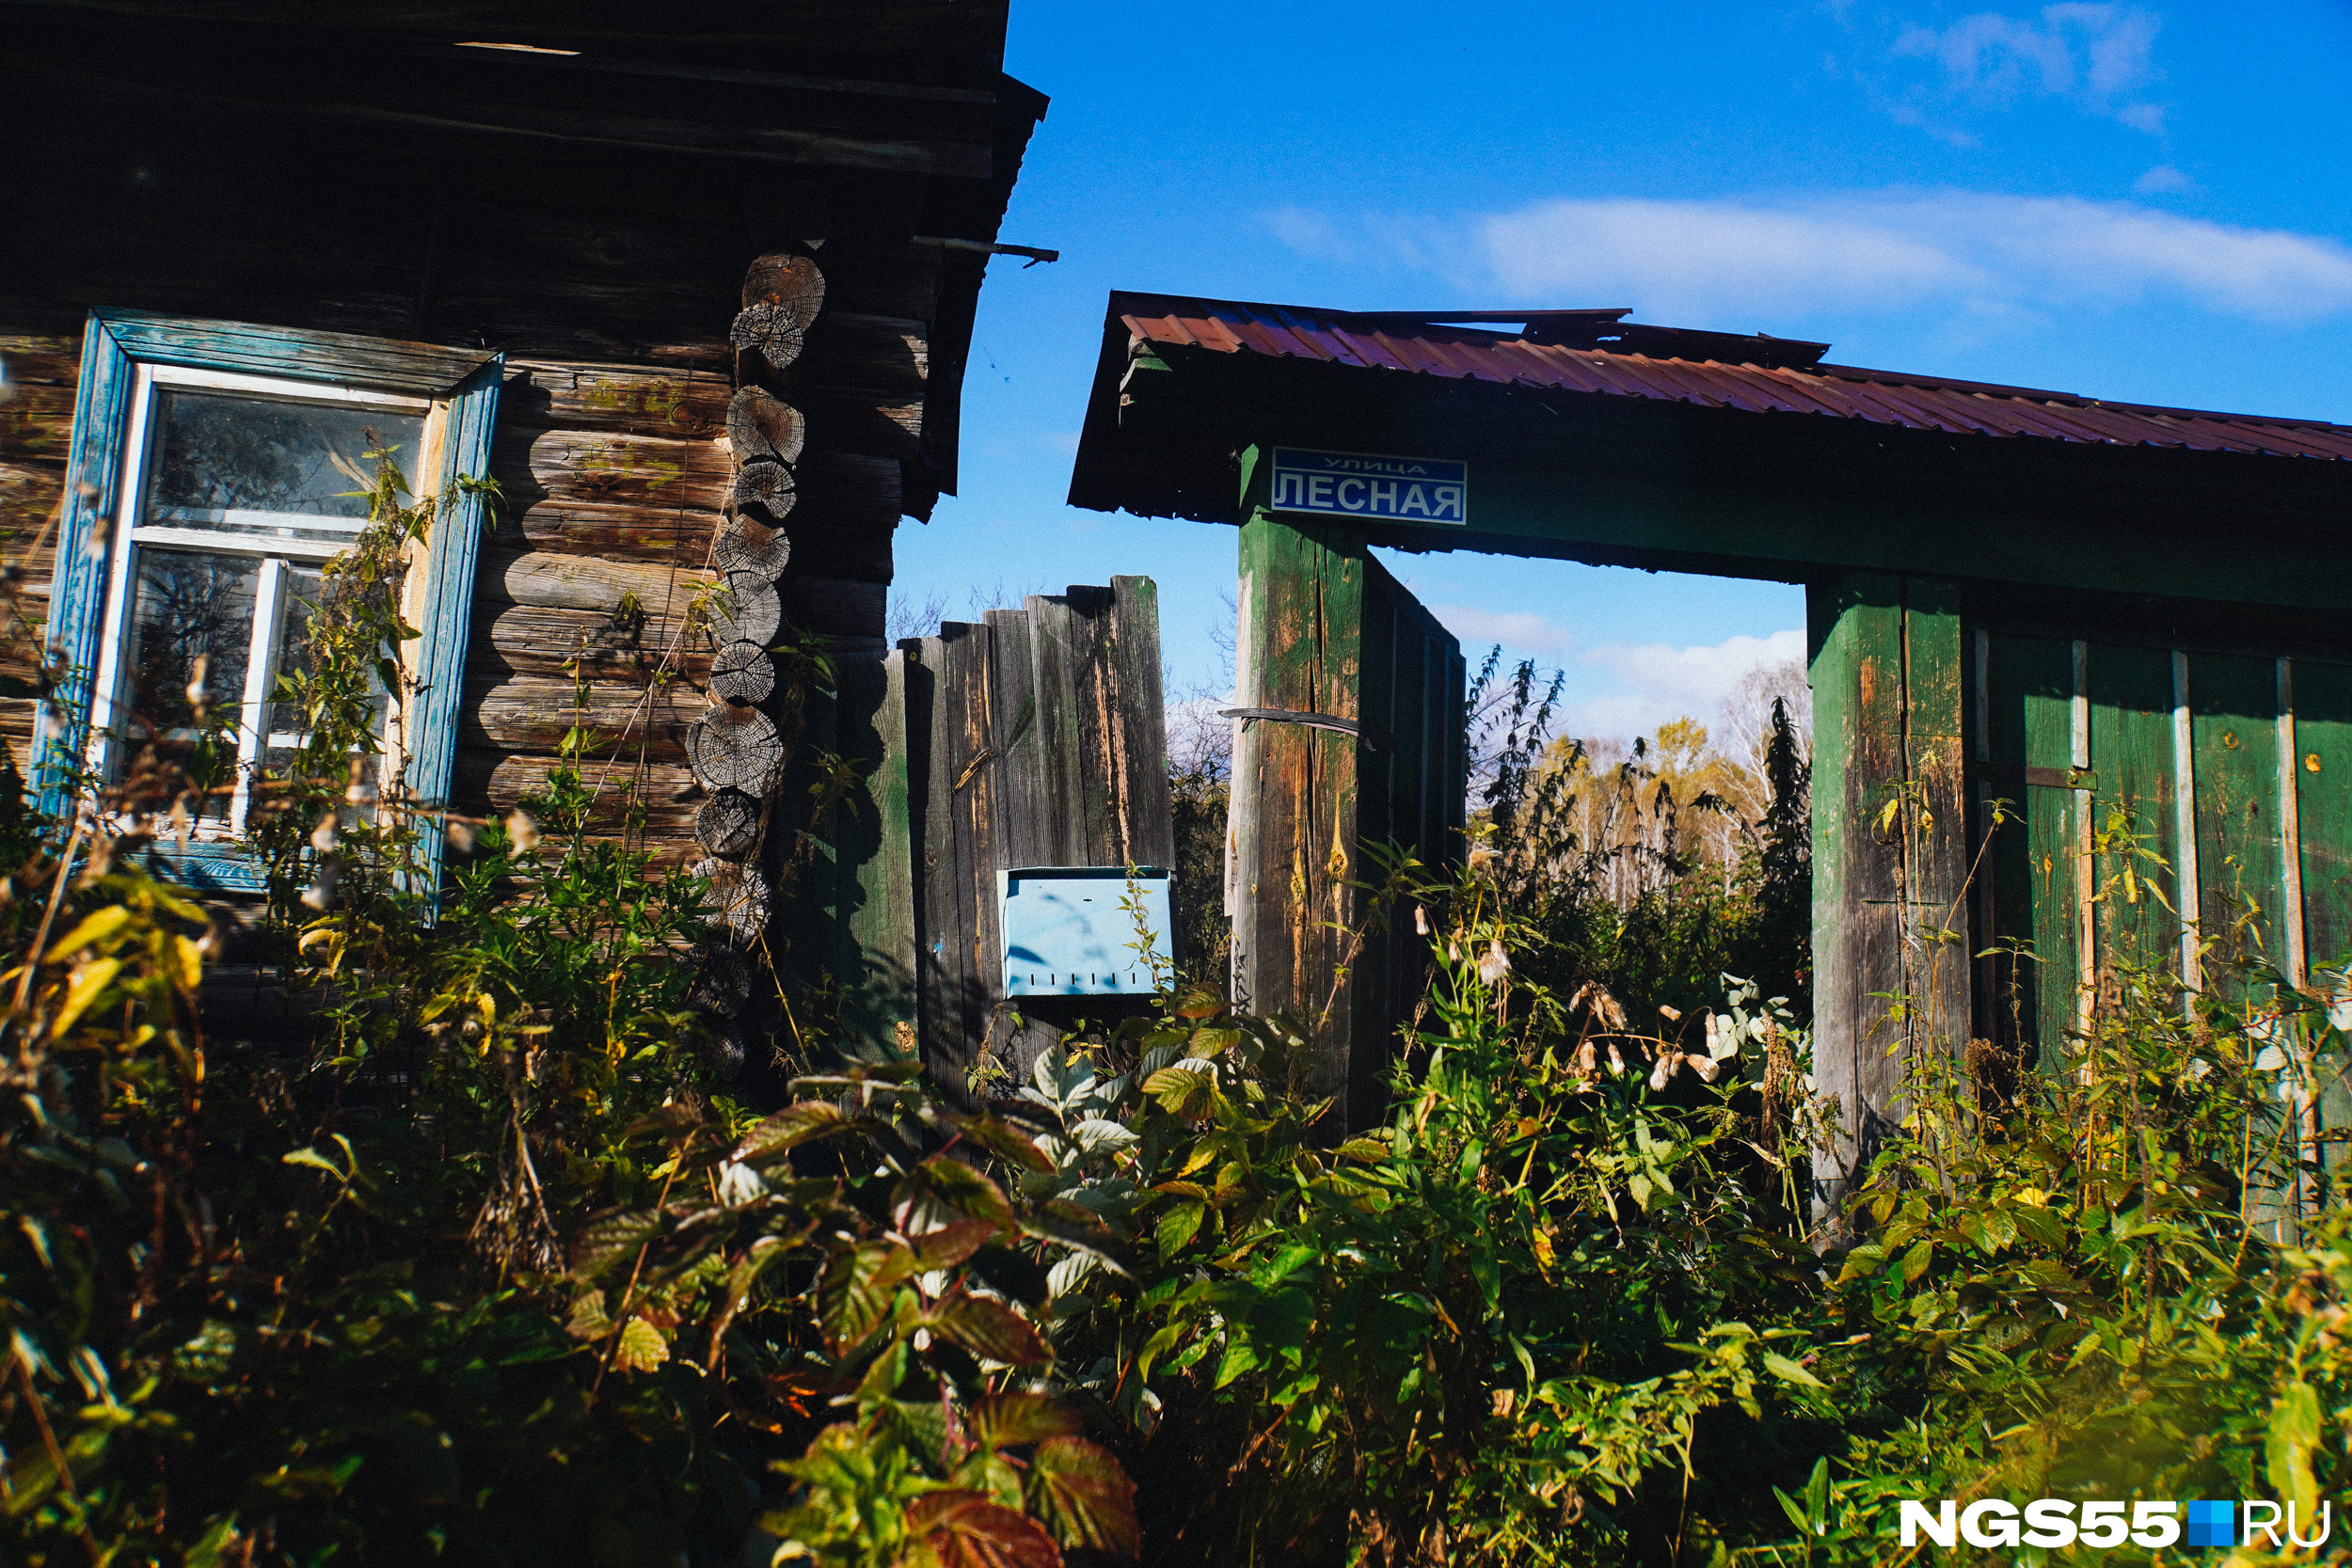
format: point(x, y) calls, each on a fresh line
point(835, 489)
point(743, 672)
point(850, 491)
point(552, 581)
point(762, 425)
point(745, 607)
point(883, 279)
point(526, 713)
point(607, 467)
point(864, 421)
point(662, 533)
point(764, 490)
point(738, 900)
point(27, 495)
point(728, 823)
point(746, 544)
point(734, 748)
point(770, 332)
point(654, 802)
point(37, 425)
point(37, 358)
point(857, 554)
point(641, 401)
point(788, 282)
point(723, 981)
point(531, 639)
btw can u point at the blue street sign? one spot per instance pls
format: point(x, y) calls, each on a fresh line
point(1362, 484)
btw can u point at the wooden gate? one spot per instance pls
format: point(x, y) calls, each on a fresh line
point(1349, 732)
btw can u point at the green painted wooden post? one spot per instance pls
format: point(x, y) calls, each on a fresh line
point(1294, 786)
point(2054, 826)
point(1324, 629)
point(1935, 833)
point(1856, 630)
point(1889, 671)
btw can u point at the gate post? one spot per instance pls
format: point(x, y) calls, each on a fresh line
point(1890, 948)
point(1291, 836)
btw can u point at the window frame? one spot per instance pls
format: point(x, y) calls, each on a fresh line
point(121, 352)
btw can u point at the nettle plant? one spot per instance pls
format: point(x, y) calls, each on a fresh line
point(1429, 1338)
point(851, 1254)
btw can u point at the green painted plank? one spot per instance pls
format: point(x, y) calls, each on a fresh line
point(2134, 804)
point(1378, 788)
point(2323, 777)
point(2035, 859)
point(2240, 868)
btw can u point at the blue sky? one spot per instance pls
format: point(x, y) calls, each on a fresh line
point(2136, 202)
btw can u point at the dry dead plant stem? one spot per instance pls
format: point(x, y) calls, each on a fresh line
point(49, 916)
point(56, 1458)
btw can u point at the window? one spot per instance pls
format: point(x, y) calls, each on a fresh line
point(209, 483)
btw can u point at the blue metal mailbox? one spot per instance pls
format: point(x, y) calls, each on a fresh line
point(1067, 933)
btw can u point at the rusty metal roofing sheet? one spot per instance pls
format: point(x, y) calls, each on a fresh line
point(1390, 341)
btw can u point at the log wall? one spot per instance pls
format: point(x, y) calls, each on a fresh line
point(608, 268)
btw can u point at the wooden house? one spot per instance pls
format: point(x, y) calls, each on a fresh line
point(693, 283)
point(2052, 637)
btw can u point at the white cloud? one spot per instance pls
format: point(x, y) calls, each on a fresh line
point(1626, 689)
point(2163, 178)
point(1743, 263)
point(1699, 677)
point(2096, 57)
point(1522, 633)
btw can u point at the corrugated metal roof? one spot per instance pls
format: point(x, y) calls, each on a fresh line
point(1396, 342)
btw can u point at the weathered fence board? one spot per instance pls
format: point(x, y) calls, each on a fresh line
point(1034, 737)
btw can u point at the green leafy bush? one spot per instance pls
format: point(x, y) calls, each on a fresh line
point(497, 1272)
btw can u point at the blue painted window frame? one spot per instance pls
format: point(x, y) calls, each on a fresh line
point(114, 343)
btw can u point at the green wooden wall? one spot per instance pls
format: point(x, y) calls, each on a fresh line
point(2170, 816)
point(2094, 746)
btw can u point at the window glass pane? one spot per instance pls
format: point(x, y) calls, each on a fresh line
point(188, 603)
point(300, 591)
point(229, 461)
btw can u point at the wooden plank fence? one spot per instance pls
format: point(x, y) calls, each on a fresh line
point(1032, 738)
